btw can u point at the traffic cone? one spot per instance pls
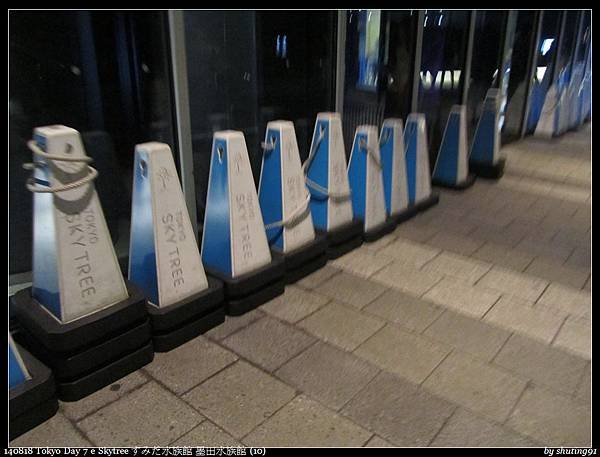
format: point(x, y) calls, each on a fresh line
point(420, 193)
point(452, 164)
point(32, 391)
point(285, 204)
point(484, 158)
point(327, 180)
point(366, 181)
point(164, 260)
point(395, 185)
point(79, 317)
point(234, 242)
point(548, 124)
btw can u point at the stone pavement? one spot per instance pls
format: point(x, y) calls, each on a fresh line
point(470, 325)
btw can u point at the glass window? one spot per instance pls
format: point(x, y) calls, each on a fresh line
point(378, 83)
point(105, 74)
point(544, 65)
point(519, 75)
point(487, 53)
point(246, 68)
point(445, 35)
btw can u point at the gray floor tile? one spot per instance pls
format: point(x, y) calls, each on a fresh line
point(233, 324)
point(327, 374)
point(239, 398)
point(399, 411)
point(363, 262)
point(462, 297)
point(318, 277)
point(295, 304)
point(55, 432)
point(351, 289)
point(464, 268)
point(207, 434)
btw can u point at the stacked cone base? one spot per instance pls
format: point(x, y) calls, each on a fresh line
point(381, 230)
point(488, 171)
point(344, 239)
point(462, 185)
point(305, 260)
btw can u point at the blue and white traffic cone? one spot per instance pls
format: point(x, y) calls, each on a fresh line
point(326, 176)
point(393, 160)
point(452, 164)
point(366, 181)
point(548, 124)
point(32, 391)
point(285, 204)
point(164, 260)
point(420, 193)
point(484, 158)
point(234, 242)
point(80, 317)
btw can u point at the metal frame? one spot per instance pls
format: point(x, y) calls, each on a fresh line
point(182, 113)
point(468, 57)
point(532, 69)
point(340, 67)
point(414, 103)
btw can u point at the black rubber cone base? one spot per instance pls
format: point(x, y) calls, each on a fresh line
point(405, 214)
point(33, 401)
point(488, 171)
point(428, 202)
point(468, 182)
point(381, 230)
point(344, 239)
point(76, 389)
point(306, 259)
point(180, 322)
point(83, 332)
point(254, 288)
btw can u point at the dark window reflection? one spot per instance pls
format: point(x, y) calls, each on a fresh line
point(102, 73)
point(487, 53)
point(445, 35)
point(544, 66)
point(247, 68)
point(379, 59)
point(519, 75)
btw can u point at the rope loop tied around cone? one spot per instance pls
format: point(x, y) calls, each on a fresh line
point(363, 146)
point(37, 151)
point(313, 185)
point(297, 215)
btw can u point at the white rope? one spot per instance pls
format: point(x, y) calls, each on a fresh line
point(315, 186)
point(298, 214)
point(370, 151)
point(33, 187)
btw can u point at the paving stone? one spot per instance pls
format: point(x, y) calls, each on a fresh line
point(415, 232)
point(79, 409)
point(465, 429)
point(543, 249)
point(268, 342)
point(468, 334)
point(545, 365)
point(399, 411)
point(584, 391)
point(581, 257)
point(378, 441)
point(318, 277)
point(408, 279)
point(457, 266)
point(148, 416)
point(572, 301)
point(207, 434)
point(380, 243)
point(462, 297)
point(521, 317)
point(552, 419)
point(189, 364)
point(576, 336)
point(341, 325)
point(351, 289)
point(327, 374)
point(555, 271)
point(408, 355)
point(55, 432)
point(509, 282)
point(459, 244)
point(304, 422)
point(409, 253)
point(503, 256)
point(362, 262)
point(233, 324)
point(404, 309)
point(294, 304)
point(475, 385)
point(239, 398)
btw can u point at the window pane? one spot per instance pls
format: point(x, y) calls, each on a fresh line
point(445, 35)
point(102, 73)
